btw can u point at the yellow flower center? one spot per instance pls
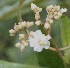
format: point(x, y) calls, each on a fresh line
point(41, 43)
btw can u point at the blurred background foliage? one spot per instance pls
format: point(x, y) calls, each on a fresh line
point(9, 15)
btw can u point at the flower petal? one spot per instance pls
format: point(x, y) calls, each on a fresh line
point(31, 44)
point(38, 48)
point(47, 44)
point(63, 10)
point(48, 37)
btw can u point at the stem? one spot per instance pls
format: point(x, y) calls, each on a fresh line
point(57, 49)
point(61, 49)
point(64, 48)
point(27, 31)
point(54, 44)
point(51, 48)
point(20, 18)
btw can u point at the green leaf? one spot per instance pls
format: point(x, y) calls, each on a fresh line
point(5, 64)
point(28, 56)
point(65, 33)
point(48, 58)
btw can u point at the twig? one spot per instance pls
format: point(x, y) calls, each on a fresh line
point(61, 49)
point(27, 31)
point(57, 49)
point(20, 18)
point(64, 48)
point(51, 48)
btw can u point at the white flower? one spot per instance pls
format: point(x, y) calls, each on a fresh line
point(63, 10)
point(39, 41)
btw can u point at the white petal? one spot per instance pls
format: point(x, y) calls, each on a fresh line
point(34, 40)
point(43, 38)
point(63, 10)
point(48, 37)
point(39, 33)
point(38, 48)
point(33, 6)
point(47, 44)
point(31, 44)
point(35, 35)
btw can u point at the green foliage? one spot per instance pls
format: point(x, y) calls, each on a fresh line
point(4, 64)
point(50, 58)
point(65, 31)
point(47, 58)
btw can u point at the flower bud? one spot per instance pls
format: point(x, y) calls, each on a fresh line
point(20, 27)
point(33, 6)
point(31, 23)
point(40, 9)
point(16, 27)
point(21, 36)
point(56, 17)
point(37, 17)
point(24, 24)
point(47, 19)
point(55, 13)
point(50, 21)
point(28, 24)
point(59, 14)
point(31, 34)
point(22, 47)
point(47, 25)
point(12, 32)
point(38, 23)
point(18, 44)
point(25, 43)
point(50, 16)
point(57, 8)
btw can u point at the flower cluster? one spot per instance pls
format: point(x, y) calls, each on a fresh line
point(53, 12)
point(36, 10)
point(36, 39)
point(19, 28)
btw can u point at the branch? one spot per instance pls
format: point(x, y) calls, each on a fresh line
point(57, 49)
point(20, 18)
point(61, 49)
point(64, 48)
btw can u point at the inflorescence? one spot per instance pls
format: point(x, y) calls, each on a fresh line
point(36, 39)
